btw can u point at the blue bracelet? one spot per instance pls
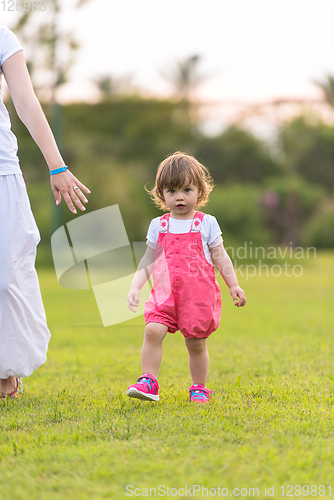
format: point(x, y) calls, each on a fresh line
point(58, 170)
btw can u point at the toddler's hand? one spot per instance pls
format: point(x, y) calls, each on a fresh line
point(133, 299)
point(236, 293)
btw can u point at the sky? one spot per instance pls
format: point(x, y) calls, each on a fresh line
point(251, 50)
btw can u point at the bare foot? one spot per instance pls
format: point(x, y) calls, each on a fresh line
point(8, 385)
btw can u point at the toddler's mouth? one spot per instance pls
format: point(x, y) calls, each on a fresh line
point(180, 205)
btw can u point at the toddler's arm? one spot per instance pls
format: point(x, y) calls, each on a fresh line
point(224, 265)
point(31, 114)
point(144, 271)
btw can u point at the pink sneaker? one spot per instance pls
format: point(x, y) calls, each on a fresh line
point(146, 388)
point(199, 394)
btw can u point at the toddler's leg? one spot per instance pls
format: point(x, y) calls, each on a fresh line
point(152, 348)
point(198, 360)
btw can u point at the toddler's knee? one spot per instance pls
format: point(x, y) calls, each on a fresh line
point(155, 331)
point(196, 346)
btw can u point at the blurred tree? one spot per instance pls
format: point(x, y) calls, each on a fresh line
point(185, 77)
point(309, 151)
point(237, 156)
point(239, 212)
point(289, 202)
point(131, 128)
point(49, 51)
point(319, 231)
point(328, 89)
point(111, 86)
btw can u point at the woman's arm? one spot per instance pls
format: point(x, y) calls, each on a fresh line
point(30, 112)
point(144, 271)
point(224, 265)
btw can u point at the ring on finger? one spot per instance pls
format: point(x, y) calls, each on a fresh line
point(76, 187)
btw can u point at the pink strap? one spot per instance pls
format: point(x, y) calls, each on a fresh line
point(195, 226)
point(197, 221)
point(164, 219)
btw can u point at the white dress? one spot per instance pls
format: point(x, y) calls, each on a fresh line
point(24, 335)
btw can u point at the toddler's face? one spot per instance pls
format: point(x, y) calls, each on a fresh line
point(181, 201)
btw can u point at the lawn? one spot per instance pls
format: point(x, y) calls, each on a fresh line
point(74, 434)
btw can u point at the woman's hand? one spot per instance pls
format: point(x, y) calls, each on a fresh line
point(68, 186)
point(133, 299)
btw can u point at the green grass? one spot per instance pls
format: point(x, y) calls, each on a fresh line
point(73, 434)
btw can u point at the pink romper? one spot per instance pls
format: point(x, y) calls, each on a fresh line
point(185, 294)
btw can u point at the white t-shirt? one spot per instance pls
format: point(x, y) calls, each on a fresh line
point(9, 162)
point(210, 232)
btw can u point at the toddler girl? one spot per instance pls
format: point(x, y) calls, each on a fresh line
point(185, 294)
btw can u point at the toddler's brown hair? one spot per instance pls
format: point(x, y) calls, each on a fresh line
point(177, 170)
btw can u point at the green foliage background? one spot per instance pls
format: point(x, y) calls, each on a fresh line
point(279, 197)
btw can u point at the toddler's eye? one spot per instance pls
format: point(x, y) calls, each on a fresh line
point(171, 190)
point(187, 190)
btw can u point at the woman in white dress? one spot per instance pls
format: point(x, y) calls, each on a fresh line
point(24, 334)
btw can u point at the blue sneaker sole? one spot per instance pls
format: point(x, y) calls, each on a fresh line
point(132, 392)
